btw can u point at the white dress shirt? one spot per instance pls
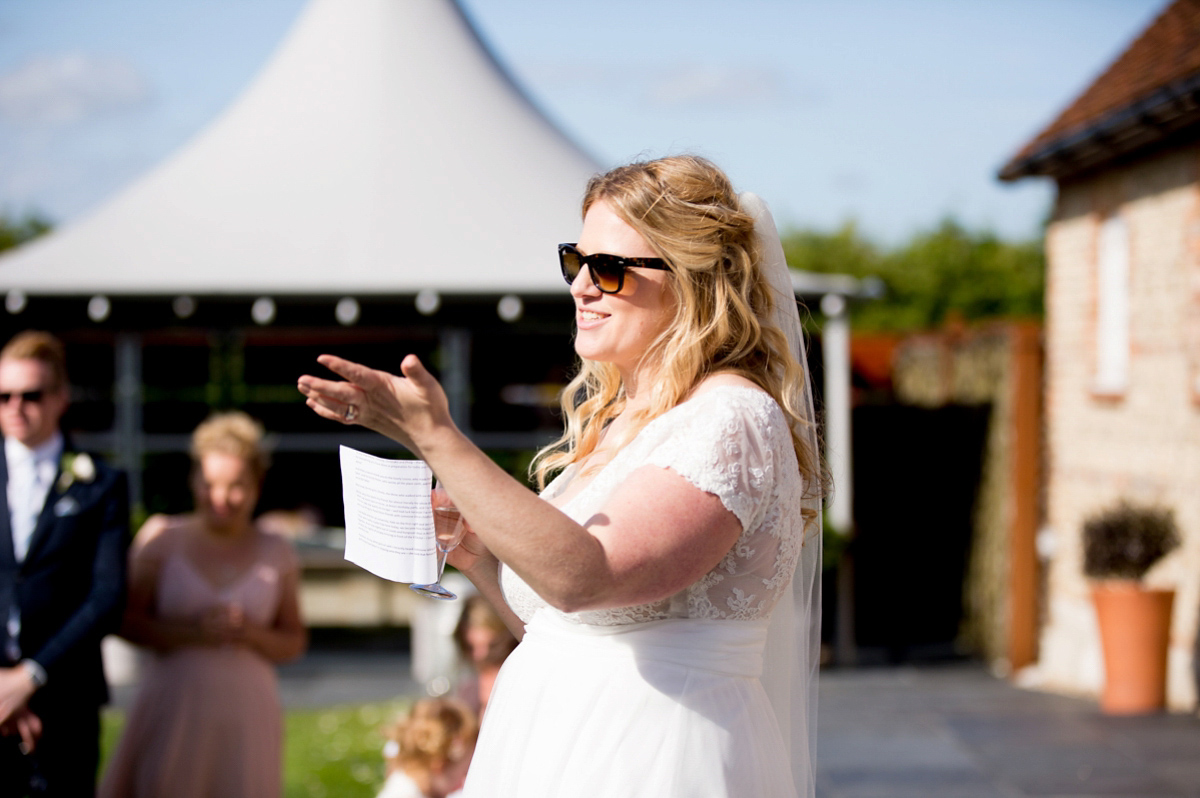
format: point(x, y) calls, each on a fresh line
point(31, 474)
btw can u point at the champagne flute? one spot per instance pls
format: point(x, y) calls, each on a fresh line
point(448, 531)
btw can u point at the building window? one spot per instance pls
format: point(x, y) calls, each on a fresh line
point(1112, 308)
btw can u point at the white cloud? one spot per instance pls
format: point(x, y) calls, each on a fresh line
point(64, 89)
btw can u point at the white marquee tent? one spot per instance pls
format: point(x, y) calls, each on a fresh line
point(382, 150)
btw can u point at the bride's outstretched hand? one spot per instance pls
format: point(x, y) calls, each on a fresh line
point(404, 408)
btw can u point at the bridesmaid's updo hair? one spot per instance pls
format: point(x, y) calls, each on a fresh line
point(688, 212)
point(233, 433)
point(437, 732)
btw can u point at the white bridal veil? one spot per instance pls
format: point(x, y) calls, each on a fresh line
point(793, 651)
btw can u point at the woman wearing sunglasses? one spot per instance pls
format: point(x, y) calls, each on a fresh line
point(665, 583)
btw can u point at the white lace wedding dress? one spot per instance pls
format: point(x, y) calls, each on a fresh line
point(660, 700)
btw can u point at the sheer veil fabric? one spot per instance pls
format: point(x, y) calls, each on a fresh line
point(793, 651)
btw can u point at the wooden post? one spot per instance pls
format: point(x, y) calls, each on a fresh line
point(1025, 479)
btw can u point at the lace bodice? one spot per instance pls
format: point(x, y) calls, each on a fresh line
point(732, 441)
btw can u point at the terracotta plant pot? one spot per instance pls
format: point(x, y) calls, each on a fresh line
point(1135, 629)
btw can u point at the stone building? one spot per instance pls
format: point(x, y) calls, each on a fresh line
point(1123, 332)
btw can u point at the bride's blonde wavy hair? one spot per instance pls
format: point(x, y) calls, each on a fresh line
point(687, 211)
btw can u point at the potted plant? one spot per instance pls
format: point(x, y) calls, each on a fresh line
point(1120, 544)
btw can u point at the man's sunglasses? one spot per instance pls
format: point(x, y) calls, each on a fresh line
point(607, 271)
point(29, 397)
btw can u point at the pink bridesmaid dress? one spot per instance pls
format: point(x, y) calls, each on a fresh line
point(207, 721)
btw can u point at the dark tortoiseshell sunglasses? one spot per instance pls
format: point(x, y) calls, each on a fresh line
point(607, 271)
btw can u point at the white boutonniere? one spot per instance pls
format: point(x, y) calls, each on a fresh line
point(75, 467)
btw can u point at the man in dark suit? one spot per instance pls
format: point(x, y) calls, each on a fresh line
point(64, 532)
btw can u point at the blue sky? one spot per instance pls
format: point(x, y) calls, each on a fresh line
point(894, 113)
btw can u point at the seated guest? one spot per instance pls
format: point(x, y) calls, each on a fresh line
point(216, 600)
point(484, 642)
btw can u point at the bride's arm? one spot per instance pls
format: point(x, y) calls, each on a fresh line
point(656, 535)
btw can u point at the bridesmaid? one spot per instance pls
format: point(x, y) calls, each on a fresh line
point(215, 600)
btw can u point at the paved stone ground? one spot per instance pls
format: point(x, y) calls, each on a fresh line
point(329, 678)
point(956, 732)
point(948, 731)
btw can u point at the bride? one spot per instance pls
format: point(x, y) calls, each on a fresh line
point(665, 585)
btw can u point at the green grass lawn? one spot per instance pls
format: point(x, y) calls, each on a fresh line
point(327, 752)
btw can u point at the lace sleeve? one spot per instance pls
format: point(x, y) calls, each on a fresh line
point(725, 447)
point(734, 443)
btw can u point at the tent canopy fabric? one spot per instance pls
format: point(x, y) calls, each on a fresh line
point(381, 151)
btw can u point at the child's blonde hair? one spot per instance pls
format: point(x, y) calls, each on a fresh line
point(437, 731)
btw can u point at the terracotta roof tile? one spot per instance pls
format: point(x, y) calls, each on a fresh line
point(1168, 51)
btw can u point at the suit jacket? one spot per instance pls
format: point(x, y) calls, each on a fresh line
point(70, 589)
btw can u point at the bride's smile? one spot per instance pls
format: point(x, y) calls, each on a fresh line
point(619, 328)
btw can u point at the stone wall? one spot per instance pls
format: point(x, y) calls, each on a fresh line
point(1143, 444)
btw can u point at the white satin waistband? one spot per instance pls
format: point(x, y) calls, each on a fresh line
point(733, 648)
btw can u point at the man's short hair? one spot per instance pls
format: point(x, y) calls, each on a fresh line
point(36, 345)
